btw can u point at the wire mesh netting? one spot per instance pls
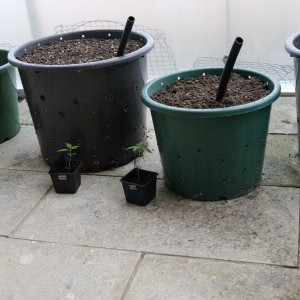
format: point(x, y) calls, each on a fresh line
point(161, 59)
point(6, 46)
point(278, 72)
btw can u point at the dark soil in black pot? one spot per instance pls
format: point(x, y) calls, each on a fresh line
point(78, 51)
point(201, 92)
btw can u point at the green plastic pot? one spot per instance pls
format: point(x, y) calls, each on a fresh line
point(211, 154)
point(9, 113)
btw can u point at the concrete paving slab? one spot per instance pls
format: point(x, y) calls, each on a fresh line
point(20, 191)
point(149, 119)
point(282, 163)
point(22, 152)
point(260, 227)
point(163, 277)
point(24, 114)
point(32, 270)
point(283, 118)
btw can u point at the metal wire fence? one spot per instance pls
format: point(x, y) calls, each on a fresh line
point(161, 59)
point(6, 46)
point(279, 72)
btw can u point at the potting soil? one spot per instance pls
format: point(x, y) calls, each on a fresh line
point(78, 51)
point(200, 92)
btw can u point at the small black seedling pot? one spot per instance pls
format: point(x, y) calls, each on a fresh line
point(140, 189)
point(64, 181)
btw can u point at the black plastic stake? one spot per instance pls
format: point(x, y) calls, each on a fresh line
point(235, 49)
point(125, 36)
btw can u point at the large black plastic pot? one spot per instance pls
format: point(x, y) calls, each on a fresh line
point(9, 112)
point(96, 105)
point(292, 46)
point(211, 154)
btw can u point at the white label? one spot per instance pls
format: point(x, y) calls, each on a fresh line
point(62, 177)
point(132, 187)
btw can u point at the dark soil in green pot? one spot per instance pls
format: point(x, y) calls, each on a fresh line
point(212, 153)
point(94, 103)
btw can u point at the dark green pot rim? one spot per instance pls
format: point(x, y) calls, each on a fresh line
point(161, 82)
point(6, 66)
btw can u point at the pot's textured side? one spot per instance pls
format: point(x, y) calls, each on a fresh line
point(96, 105)
point(293, 48)
point(212, 154)
point(9, 112)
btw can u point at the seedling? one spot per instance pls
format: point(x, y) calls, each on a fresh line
point(140, 148)
point(69, 148)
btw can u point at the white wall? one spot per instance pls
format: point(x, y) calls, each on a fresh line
point(264, 25)
point(194, 28)
point(14, 22)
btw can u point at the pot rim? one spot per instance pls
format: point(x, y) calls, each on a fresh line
point(157, 84)
point(7, 65)
point(290, 46)
point(113, 33)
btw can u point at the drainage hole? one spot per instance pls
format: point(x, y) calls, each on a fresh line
point(42, 97)
point(50, 139)
point(224, 181)
point(92, 115)
point(242, 189)
point(245, 169)
point(125, 108)
point(181, 178)
point(76, 101)
point(109, 98)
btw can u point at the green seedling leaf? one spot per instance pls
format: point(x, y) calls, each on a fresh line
point(139, 147)
point(69, 148)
